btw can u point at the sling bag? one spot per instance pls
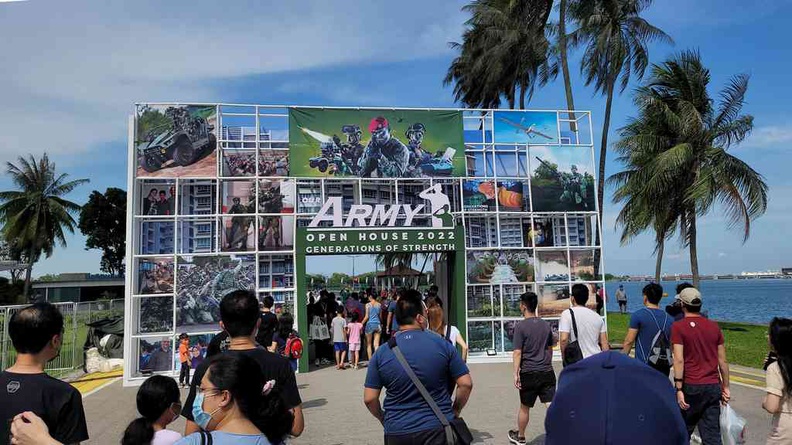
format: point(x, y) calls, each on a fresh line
point(573, 353)
point(456, 430)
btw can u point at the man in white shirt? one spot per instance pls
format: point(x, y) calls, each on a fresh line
point(592, 332)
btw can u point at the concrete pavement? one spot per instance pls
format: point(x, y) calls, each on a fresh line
point(335, 414)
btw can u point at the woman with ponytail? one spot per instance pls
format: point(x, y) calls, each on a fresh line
point(234, 405)
point(159, 404)
point(778, 400)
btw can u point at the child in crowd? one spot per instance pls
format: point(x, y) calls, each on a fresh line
point(339, 337)
point(184, 359)
point(159, 404)
point(353, 331)
point(281, 338)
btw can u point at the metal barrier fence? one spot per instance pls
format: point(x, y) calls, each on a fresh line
point(76, 317)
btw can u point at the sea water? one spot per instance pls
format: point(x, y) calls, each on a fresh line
point(748, 301)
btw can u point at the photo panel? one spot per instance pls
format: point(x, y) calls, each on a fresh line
point(176, 141)
point(284, 302)
point(480, 162)
point(197, 346)
point(238, 197)
point(275, 233)
point(238, 233)
point(481, 231)
point(197, 235)
point(156, 237)
point(377, 143)
point(549, 231)
point(513, 196)
point(556, 336)
point(273, 163)
point(276, 196)
point(197, 197)
point(526, 127)
point(511, 298)
point(500, 266)
point(481, 336)
point(155, 275)
point(203, 281)
point(582, 229)
point(155, 314)
point(158, 198)
point(155, 354)
point(309, 196)
point(553, 265)
point(479, 302)
point(478, 195)
point(507, 160)
point(239, 162)
point(515, 231)
point(276, 271)
point(562, 179)
point(508, 334)
point(582, 264)
point(553, 299)
point(593, 289)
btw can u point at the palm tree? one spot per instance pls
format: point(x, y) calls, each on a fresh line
point(695, 166)
point(642, 139)
point(36, 214)
point(615, 39)
point(504, 53)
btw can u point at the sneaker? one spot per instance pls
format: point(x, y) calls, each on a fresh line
point(515, 438)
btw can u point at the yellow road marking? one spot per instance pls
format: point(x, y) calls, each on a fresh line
point(750, 382)
point(96, 380)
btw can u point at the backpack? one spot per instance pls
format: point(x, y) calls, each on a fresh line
point(294, 347)
point(572, 353)
point(660, 356)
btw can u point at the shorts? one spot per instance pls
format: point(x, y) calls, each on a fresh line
point(372, 328)
point(354, 347)
point(540, 384)
point(339, 346)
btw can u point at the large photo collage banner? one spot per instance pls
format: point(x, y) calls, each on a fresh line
point(216, 207)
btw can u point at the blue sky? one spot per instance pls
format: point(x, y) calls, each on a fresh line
point(73, 70)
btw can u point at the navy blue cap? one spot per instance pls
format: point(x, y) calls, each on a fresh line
point(610, 398)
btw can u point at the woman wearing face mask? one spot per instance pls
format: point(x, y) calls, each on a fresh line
point(159, 404)
point(235, 406)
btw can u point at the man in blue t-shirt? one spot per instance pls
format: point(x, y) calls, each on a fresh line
point(407, 417)
point(645, 323)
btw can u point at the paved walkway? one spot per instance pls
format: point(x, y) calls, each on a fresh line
point(334, 411)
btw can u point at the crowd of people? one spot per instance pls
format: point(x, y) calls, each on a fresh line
point(245, 390)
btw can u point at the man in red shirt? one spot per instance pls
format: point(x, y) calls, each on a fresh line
point(701, 373)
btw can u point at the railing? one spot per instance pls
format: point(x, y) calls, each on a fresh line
point(76, 317)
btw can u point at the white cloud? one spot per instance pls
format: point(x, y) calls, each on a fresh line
point(77, 67)
point(772, 136)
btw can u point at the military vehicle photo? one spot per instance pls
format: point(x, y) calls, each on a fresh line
point(174, 137)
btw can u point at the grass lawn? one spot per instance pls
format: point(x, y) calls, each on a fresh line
point(746, 344)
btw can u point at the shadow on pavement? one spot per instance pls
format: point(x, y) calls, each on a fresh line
point(315, 403)
point(480, 436)
point(538, 440)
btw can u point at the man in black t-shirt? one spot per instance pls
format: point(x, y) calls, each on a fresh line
point(239, 315)
point(532, 361)
point(269, 322)
point(36, 332)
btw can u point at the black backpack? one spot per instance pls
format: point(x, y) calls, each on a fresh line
point(572, 353)
point(660, 356)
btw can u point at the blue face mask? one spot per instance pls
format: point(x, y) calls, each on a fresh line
point(201, 417)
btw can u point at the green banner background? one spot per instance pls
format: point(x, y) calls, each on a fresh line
point(443, 129)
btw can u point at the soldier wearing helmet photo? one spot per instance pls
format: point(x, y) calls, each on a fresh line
point(385, 156)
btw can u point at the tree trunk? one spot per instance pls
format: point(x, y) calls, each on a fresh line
point(694, 268)
point(601, 171)
point(511, 96)
point(659, 261)
point(28, 272)
point(522, 93)
point(562, 45)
